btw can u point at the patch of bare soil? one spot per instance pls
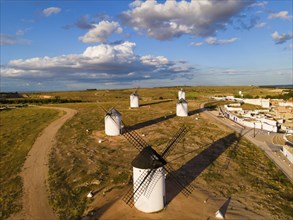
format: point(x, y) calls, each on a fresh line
point(35, 172)
point(201, 204)
point(276, 90)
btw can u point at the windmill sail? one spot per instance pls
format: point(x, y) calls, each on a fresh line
point(138, 189)
point(149, 169)
point(134, 139)
point(110, 113)
point(134, 100)
point(182, 108)
point(112, 122)
point(156, 176)
point(184, 187)
point(174, 141)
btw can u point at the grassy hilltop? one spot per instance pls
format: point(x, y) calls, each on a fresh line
point(211, 156)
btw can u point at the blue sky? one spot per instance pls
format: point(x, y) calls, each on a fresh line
point(72, 45)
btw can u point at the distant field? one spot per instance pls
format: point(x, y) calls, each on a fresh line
point(19, 129)
point(79, 163)
point(156, 93)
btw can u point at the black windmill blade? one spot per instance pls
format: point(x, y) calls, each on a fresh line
point(104, 109)
point(181, 184)
point(174, 141)
point(139, 187)
point(133, 137)
point(155, 179)
point(182, 102)
point(185, 187)
point(109, 114)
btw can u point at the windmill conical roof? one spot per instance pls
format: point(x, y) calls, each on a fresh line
point(148, 158)
point(113, 112)
point(182, 101)
point(134, 94)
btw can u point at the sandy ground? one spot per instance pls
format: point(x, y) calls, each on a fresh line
point(201, 204)
point(35, 172)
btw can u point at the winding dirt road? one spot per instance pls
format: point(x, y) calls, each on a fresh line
point(35, 172)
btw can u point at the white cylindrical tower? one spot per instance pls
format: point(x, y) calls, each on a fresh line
point(134, 100)
point(182, 108)
point(153, 197)
point(149, 181)
point(181, 94)
point(113, 122)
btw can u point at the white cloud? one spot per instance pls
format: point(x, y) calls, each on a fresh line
point(155, 61)
point(102, 63)
point(21, 32)
point(259, 4)
point(52, 10)
point(281, 38)
point(135, 3)
point(6, 39)
point(282, 15)
point(173, 19)
point(121, 53)
point(214, 41)
point(260, 25)
point(196, 44)
point(100, 32)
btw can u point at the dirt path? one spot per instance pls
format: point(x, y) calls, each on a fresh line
point(35, 172)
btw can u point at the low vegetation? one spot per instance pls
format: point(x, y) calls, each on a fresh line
point(192, 93)
point(286, 95)
point(257, 177)
point(213, 105)
point(219, 160)
point(80, 164)
point(36, 101)
point(19, 129)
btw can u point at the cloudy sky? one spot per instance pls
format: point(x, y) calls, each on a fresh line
point(72, 45)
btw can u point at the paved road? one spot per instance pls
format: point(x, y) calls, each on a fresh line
point(35, 172)
point(261, 139)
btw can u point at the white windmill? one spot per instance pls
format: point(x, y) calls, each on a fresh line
point(153, 197)
point(134, 100)
point(182, 108)
point(113, 120)
point(149, 167)
point(181, 94)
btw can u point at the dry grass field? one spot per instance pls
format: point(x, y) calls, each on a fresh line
point(19, 129)
point(156, 93)
point(216, 161)
point(211, 157)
